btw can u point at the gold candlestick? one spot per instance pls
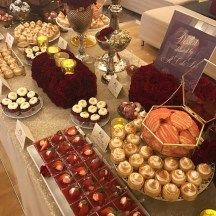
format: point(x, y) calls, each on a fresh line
point(42, 41)
point(52, 50)
point(68, 66)
point(118, 122)
point(59, 57)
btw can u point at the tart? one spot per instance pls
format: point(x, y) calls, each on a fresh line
point(178, 177)
point(147, 171)
point(130, 149)
point(133, 138)
point(189, 191)
point(162, 176)
point(124, 169)
point(170, 164)
point(204, 170)
point(155, 162)
point(146, 152)
point(117, 155)
point(186, 164)
point(170, 192)
point(152, 187)
point(115, 142)
point(194, 177)
point(136, 160)
point(135, 181)
point(119, 132)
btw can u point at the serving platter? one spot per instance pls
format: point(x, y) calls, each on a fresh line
point(23, 117)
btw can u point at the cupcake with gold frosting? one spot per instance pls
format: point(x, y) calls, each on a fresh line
point(115, 142)
point(170, 192)
point(136, 160)
point(146, 152)
point(147, 171)
point(152, 187)
point(189, 191)
point(204, 170)
point(130, 149)
point(117, 155)
point(124, 169)
point(135, 181)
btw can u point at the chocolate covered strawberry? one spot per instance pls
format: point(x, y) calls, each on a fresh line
point(75, 191)
point(83, 208)
point(58, 165)
point(82, 170)
point(65, 178)
point(87, 150)
point(95, 164)
point(109, 211)
point(99, 196)
point(64, 147)
point(43, 144)
point(72, 131)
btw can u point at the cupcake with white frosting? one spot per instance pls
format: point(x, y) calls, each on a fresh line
point(93, 101)
point(84, 117)
point(25, 109)
point(76, 110)
point(101, 104)
point(13, 109)
point(20, 100)
point(82, 103)
point(12, 96)
point(35, 103)
point(103, 112)
point(31, 94)
point(22, 92)
point(94, 118)
point(5, 102)
point(92, 109)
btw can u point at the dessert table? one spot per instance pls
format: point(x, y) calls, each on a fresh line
point(36, 198)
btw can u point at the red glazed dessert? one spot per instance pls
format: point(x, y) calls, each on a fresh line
point(56, 167)
point(42, 145)
point(95, 164)
point(137, 212)
point(82, 207)
point(89, 184)
point(104, 175)
point(125, 203)
point(98, 197)
point(78, 141)
point(80, 171)
point(64, 179)
point(72, 158)
point(49, 155)
point(108, 210)
point(87, 151)
point(57, 138)
point(63, 148)
point(73, 193)
point(71, 132)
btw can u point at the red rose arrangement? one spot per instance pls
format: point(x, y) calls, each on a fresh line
point(63, 90)
point(79, 3)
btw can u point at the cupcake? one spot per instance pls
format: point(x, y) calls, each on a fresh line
point(124, 169)
point(35, 49)
point(94, 118)
point(119, 132)
point(178, 177)
point(103, 112)
point(101, 104)
point(5, 102)
point(133, 138)
point(130, 149)
point(25, 109)
point(12, 96)
point(20, 100)
point(84, 117)
point(146, 152)
point(155, 162)
point(147, 171)
point(163, 176)
point(138, 123)
point(130, 128)
point(82, 103)
point(170, 192)
point(194, 177)
point(117, 155)
point(13, 109)
point(152, 187)
point(136, 160)
point(186, 164)
point(170, 164)
point(115, 142)
point(135, 181)
point(204, 170)
point(76, 110)
point(92, 109)
point(93, 101)
point(189, 191)
point(31, 94)
point(35, 103)
point(22, 92)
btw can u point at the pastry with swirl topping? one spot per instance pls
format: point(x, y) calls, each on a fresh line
point(178, 177)
point(170, 192)
point(117, 155)
point(146, 152)
point(133, 138)
point(194, 177)
point(186, 164)
point(119, 132)
point(155, 162)
point(136, 160)
point(152, 187)
point(135, 181)
point(162, 176)
point(147, 171)
point(204, 170)
point(130, 149)
point(124, 169)
point(170, 164)
point(189, 191)
point(115, 142)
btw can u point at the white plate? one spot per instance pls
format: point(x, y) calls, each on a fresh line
point(89, 125)
point(50, 182)
point(63, 27)
point(20, 116)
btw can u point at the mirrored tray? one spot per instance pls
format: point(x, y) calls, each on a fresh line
point(89, 125)
point(204, 185)
point(21, 116)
